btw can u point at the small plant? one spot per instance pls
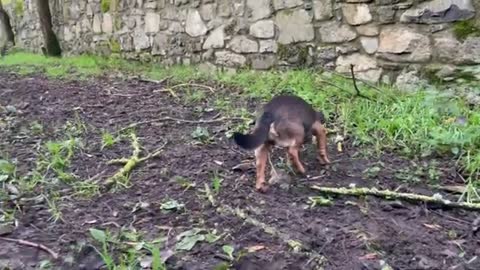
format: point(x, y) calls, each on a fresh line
point(216, 182)
point(172, 205)
point(108, 140)
point(54, 209)
point(228, 250)
point(201, 135)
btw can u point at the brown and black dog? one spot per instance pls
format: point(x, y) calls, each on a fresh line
point(286, 121)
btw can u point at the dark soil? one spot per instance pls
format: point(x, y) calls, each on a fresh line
point(353, 233)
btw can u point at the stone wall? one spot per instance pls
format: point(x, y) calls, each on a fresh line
point(381, 37)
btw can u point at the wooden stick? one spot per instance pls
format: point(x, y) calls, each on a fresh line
point(31, 244)
point(436, 198)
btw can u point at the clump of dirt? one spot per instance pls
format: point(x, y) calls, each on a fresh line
point(352, 233)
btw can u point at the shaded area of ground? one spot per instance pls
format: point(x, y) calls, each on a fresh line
point(350, 234)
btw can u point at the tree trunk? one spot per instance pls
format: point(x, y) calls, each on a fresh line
point(52, 46)
point(6, 28)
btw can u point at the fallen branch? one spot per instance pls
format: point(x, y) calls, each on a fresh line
point(192, 84)
point(154, 81)
point(168, 118)
point(130, 163)
point(355, 84)
point(388, 194)
point(225, 209)
point(31, 244)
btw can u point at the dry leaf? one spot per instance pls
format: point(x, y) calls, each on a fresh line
point(255, 248)
point(432, 226)
point(369, 256)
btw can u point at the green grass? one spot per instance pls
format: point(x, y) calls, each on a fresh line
point(416, 124)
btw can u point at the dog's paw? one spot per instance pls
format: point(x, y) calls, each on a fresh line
point(263, 187)
point(323, 160)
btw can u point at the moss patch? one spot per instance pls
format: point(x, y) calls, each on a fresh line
point(297, 54)
point(105, 6)
point(465, 29)
point(114, 46)
point(19, 7)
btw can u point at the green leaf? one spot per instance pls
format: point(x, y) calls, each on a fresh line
point(98, 235)
point(229, 251)
point(171, 205)
point(211, 237)
point(188, 242)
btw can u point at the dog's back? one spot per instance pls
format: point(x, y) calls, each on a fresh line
point(285, 120)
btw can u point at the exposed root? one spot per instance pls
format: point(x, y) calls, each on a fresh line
point(388, 194)
point(31, 244)
point(130, 163)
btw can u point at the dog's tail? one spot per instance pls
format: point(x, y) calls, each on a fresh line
point(320, 117)
point(259, 136)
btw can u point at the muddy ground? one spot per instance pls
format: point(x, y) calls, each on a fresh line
point(352, 233)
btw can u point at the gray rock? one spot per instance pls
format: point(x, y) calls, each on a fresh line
point(404, 44)
point(194, 24)
point(175, 28)
point(346, 49)
point(263, 29)
point(242, 44)
point(229, 59)
point(369, 44)
point(126, 43)
point(410, 81)
point(284, 4)
point(225, 8)
point(446, 47)
point(336, 32)
point(207, 12)
point(239, 8)
point(369, 30)
point(294, 26)
point(107, 23)
point(263, 62)
point(358, 1)
point(97, 24)
point(362, 63)
point(325, 54)
point(152, 22)
point(322, 9)
point(140, 40)
point(215, 40)
point(258, 9)
point(267, 46)
point(386, 14)
point(68, 34)
point(356, 14)
point(365, 67)
point(471, 49)
point(439, 11)
point(160, 44)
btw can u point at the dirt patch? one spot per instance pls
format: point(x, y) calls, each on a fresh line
point(352, 233)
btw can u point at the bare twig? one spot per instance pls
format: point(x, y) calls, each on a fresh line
point(31, 244)
point(355, 84)
point(195, 85)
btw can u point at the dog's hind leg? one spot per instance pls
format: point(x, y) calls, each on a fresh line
point(261, 156)
point(320, 133)
point(293, 153)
